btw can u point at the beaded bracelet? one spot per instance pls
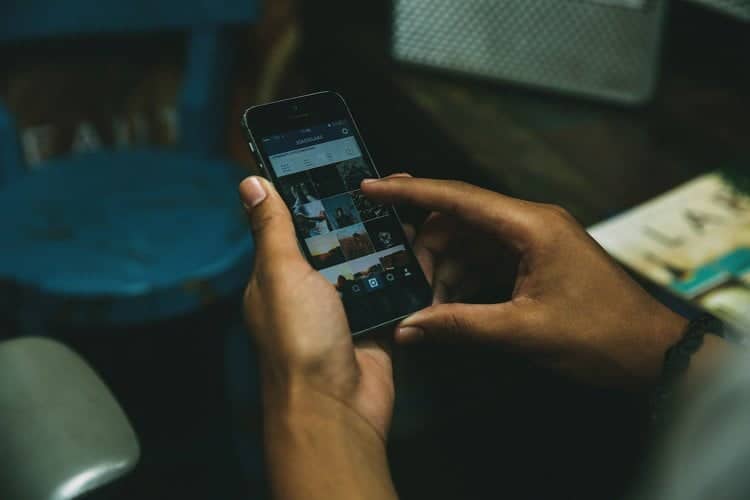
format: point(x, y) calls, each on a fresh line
point(677, 359)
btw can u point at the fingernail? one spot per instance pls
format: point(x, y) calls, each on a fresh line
point(367, 181)
point(409, 334)
point(252, 192)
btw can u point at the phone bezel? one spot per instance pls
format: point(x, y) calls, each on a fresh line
point(301, 112)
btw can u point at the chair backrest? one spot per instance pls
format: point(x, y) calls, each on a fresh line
point(62, 433)
point(203, 98)
point(30, 19)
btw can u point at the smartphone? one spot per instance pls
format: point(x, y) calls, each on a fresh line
point(312, 151)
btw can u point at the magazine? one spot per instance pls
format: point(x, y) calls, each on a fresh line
point(694, 241)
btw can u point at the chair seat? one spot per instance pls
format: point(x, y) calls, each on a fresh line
point(125, 236)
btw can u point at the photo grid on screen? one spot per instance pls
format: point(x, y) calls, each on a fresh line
point(348, 236)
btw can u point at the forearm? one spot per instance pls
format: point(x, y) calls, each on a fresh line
point(320, 449)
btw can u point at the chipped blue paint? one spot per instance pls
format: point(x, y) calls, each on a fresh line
point(124, 237)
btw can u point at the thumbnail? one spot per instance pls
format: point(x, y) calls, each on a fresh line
point(355, 242)
point(341, 211)
point(353, 172)
point(368, 209)
point(384, 233)
point(325, 251)
point(297, 190)
point(327, 181)
point(396, 257)
point(311, 220)
point(365, 267)
point(338, 275)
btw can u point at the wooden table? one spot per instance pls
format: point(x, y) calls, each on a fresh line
point(593, 159)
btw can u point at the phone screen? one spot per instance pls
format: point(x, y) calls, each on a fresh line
point(358, 245)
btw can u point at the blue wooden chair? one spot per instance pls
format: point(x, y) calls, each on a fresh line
point(126, 237)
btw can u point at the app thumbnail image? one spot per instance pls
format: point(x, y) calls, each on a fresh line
point(398, 257)
point(368, 209)
point(297, 190)
point(355, 242)
point(327, 181)
point(341, 211)
point(384, 233)
point(365, 267)
point(339, 275)
point(311, 220)
point(353, 172)
point(325, 251)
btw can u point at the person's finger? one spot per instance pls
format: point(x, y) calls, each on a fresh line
point(271, 222)
point(398, 174)
point(449, 280)
point(493, 212)
point(439, 233)
point(392, 176)
point(382, 343)
point(508, 323)
point(410, 233)
point(377, 352)
point(438, 237)
point(425, 259)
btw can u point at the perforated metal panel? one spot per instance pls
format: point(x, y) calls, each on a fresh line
point(736, 8)
point(600, 48)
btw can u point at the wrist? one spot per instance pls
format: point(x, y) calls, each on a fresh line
point(295, 407)
point(318, 447)
point(301, 398)
point(672, 327)
point(696, 353)
point(303, 404)
point(331, 421)
point(667, 330)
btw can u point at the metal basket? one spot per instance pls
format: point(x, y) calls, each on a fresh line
point(605, 49)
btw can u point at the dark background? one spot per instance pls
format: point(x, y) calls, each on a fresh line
point(470, 422)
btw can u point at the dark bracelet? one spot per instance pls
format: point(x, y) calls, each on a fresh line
point(677, 360)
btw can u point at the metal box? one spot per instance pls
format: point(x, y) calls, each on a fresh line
point(607, 49)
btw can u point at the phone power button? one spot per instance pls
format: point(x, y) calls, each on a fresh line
point(252, 147)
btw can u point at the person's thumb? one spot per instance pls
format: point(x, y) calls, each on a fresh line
point(503, 323)
point(271, 222)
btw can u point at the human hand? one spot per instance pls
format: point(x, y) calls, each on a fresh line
point(326, 401)
point(572, 307)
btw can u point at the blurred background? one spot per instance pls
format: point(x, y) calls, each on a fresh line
point(122, 236)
